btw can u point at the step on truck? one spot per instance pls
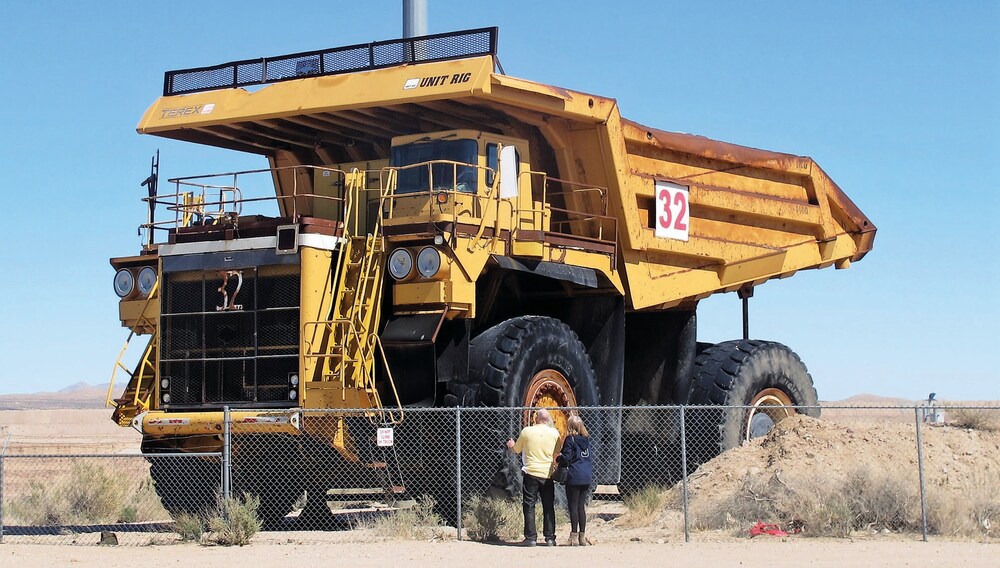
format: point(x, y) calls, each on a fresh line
point(430, 231)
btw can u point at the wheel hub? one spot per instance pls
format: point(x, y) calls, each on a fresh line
point(769, 407)
point(549, 389)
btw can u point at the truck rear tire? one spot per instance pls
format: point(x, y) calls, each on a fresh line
point(762, 376)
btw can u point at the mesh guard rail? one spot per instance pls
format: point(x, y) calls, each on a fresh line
point(349, 59)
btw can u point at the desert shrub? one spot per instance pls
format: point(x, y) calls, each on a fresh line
point(189, 527)
point(883, 502)
point(143, 505)
point(820, 506)
point(824, 506)
point(87, 494)
point(644, 506)
point(416, 522)
point(757, 498)
point(975, 513)
point(492, 519)
point(236, 521)
point(986, 419)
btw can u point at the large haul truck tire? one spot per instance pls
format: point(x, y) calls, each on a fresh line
point(529, 361)
point(762, 376)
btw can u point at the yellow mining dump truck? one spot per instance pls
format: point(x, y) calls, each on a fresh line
point(435, 233)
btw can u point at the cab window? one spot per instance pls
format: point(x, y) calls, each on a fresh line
point(492, 162)
point(436, 176)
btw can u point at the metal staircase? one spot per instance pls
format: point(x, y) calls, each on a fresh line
point(348, 361)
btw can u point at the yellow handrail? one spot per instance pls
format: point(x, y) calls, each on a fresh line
point(141, 321)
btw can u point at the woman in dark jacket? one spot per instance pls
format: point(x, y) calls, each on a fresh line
point(576, 455)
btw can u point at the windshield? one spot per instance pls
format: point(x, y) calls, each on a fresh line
point(419, 178)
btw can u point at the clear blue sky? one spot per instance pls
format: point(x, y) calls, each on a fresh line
point(898, 101)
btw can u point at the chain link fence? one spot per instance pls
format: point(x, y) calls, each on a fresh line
point(658, 471)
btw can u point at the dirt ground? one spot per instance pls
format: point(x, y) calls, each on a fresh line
point(772, 553)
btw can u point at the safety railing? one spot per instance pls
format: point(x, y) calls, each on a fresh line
point(206, 201)
point(447, 191)
point(348, 59)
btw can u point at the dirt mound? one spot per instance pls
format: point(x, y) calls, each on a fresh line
point(803, 446)
point(835, 474)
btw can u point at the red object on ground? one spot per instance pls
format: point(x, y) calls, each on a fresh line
point(765, 528)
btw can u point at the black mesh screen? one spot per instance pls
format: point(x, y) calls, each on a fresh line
point(230, 337)
point(438, 47)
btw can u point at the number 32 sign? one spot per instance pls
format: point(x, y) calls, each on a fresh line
point(672, 215)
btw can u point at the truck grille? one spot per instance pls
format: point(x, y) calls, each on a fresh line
point(230, 337)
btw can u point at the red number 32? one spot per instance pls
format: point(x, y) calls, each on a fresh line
point(680, 201)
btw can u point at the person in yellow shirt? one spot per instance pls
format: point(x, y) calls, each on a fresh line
point(537, 445)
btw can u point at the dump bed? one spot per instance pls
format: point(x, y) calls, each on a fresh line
point(747, 215)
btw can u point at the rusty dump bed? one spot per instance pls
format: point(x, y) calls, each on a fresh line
point(753, 214)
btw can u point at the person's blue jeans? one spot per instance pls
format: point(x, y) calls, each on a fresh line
point(535, 487)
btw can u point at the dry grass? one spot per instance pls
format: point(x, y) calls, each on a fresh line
point(236, 521)
point(882, 501)
point(418, 522)
point(88, 493)
point(975, 514)
point(189, 528)
point(985, 419)
point(491, 519)
point(824, 506)
point(644, 506)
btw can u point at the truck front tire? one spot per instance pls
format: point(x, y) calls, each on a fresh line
point(530, 361)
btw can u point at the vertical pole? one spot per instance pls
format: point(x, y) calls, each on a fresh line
point(745, 293)
point(226, 455)
point(920, 468)
point(414, 18)
point(746, 318)
point(458, 469)
point(3, 452)
point(684, 478)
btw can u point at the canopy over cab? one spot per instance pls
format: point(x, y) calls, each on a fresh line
point(691, 216)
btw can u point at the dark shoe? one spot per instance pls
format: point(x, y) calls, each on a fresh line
point(550, 542)
point(528, 542)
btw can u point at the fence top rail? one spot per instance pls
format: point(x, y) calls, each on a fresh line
point(129, 455)
point(489, 409)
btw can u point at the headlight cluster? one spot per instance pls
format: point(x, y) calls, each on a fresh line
point(127, 282)
point(293, 384)
point(165, 390)
point(401, 264)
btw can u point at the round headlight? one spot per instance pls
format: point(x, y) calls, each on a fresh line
point(292, 395)
point(164, 383)
point(146, 280)
point(400, 263)
point(166, 398)
point(124, 282)
point(428, 261)
point(293, 380)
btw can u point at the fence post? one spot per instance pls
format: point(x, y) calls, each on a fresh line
point(684, 476)
point(3, 453)
point(920, 468)
point(226, 455)
point(458, 469)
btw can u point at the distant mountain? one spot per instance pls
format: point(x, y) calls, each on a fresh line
point(873, 400)
point(79, 395)
point(76, 387)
